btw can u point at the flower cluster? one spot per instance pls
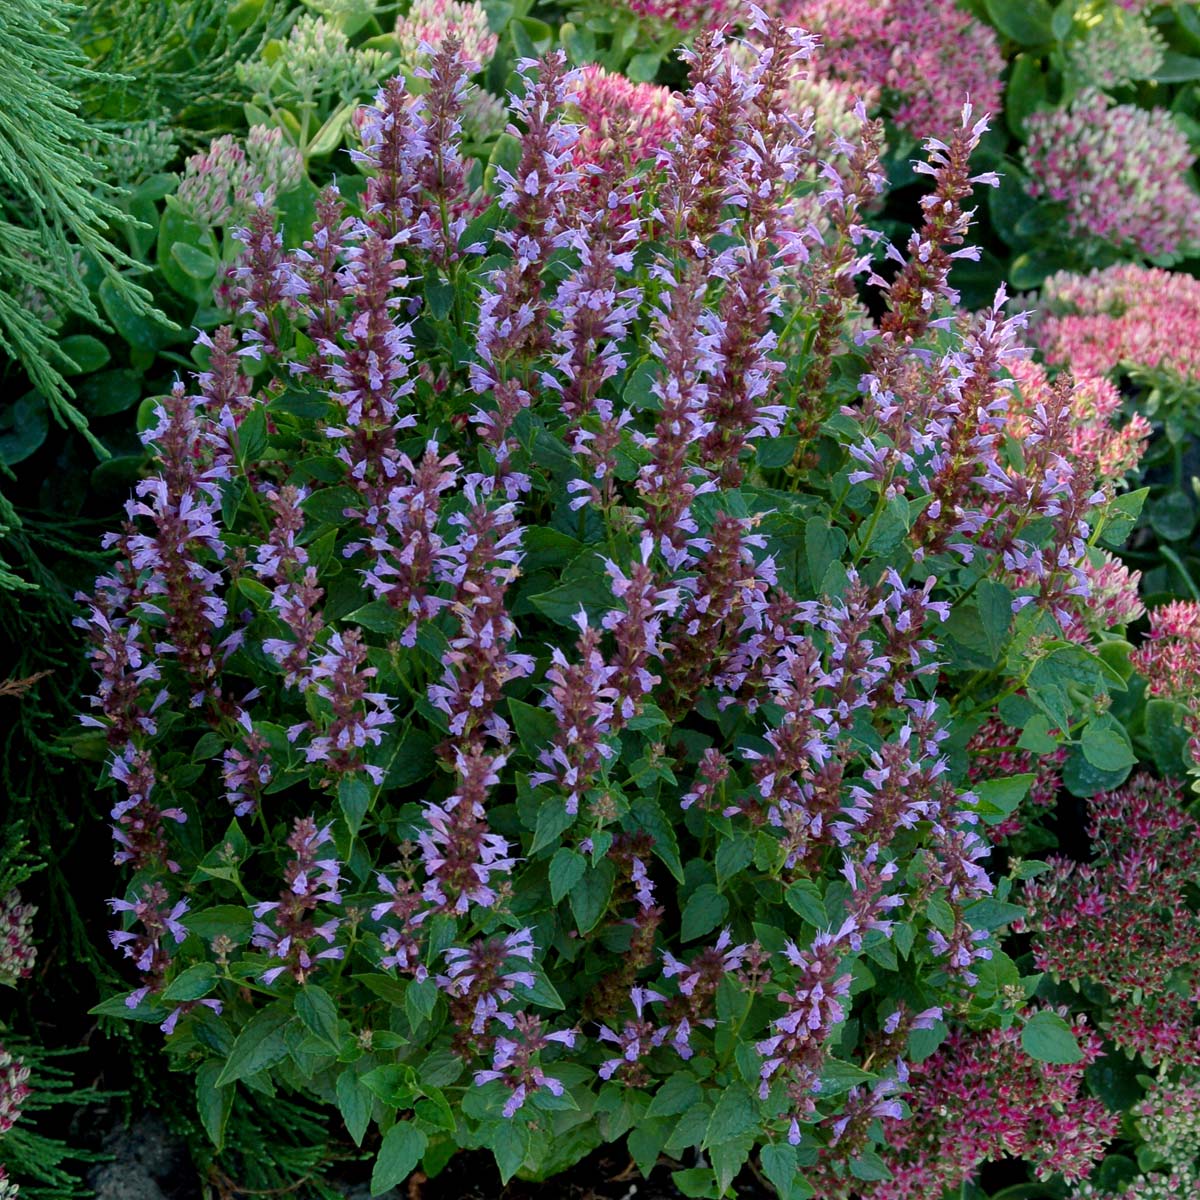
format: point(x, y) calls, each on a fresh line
point(621, 122)
point(1123, 316)
point(17, 949)
point(1123, 921)
point(1120, 173)
point(1116, 50)
point(590, 643)
point(1169, 658)
point(287, 928)
point(921, 59)
point(429, 22)
point(980, 1098)
point(219, 185)
point(14, 1089)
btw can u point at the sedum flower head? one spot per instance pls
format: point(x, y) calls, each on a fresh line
point(429, 22)
point(1120, 173)
point(17, 951)
point(621, 120)
point(1117, 50)
point(1127, 315)
point(14, 1089)
point(920, 59)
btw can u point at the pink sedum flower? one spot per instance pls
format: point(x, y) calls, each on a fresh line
point(920, 59)
point(1123, 316)
point(1119, 171)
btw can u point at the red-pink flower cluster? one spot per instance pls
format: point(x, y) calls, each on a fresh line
point(1169, 658)
point(1120, 173)
point(622, 122)
point(981, 1098)
point(1123, 921)
point(1124, 315)
point(1092, 437)
point(14, 1089)
point(994, 754)
point(687, 15)
point(924, 56)
point(17, 951)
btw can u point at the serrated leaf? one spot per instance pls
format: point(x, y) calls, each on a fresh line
point(354, 1103)
point(192, 983)
point(705, 909)
point(213, 1103)
point(319, 1013)
point(1048, 1038)
point(258, 1046)
point(402, 1148)
point(589, 897)
point(566, 869)
point(354, 799)
point(736, 1114)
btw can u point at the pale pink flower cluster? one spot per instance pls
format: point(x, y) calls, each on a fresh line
point(620, 119)
point(1113, 449)
point(17, 951)
point(1117, 50)
point(925, 56)
point(14, 1089)
point(1119, 171)
point(430, 22)
point(219, 185)
point(1127, 314)
point(687, 15)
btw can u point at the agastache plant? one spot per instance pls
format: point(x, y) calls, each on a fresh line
point(596, 674)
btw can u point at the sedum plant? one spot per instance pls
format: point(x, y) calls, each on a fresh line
point(537, 670)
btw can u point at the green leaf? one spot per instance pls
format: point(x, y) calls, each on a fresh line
point(511, 1148)
point(646, 814)
point(87, 353)
point(999, 798)
point(318, 1012)
point(779, 1165)
point(1177, 68)
point(192, 983)
point(804, 897)
point(823, 545)
point(734, 855)
point(868, 1165)
point(213, 1103)
point(1106, 745)
point(676, 1095)
point(140, 330)
point(736, 1113)
point(354, 799)
point(994, 602)
point(402, 1148)
point(226, 920)
point(1167, 736)
point(1173, 516)
point(642, 68)
point(1121, 516)
point(705, 909)
point(354, 1103)
point(23, 427)
point(566, 869)
point(1027, 22)
point(535, 726)
point(589, 897)
point(697, 1182)
point(194, 262)
point(1048, 1038)
point(259, 1045)
point(775, 452)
